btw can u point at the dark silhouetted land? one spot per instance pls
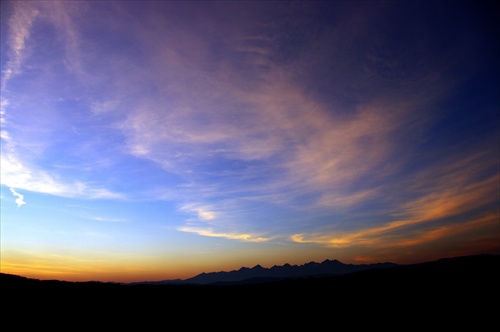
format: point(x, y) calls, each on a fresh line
point(461, 291)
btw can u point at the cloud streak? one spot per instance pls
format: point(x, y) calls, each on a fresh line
point(20, 198)
point(245, 125)
point(20, 23)
point(17, 171)
point(452, 190)
point(253, 123)
point(231, 236)
point(16, 174)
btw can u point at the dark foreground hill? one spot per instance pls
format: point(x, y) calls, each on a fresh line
point(461, 291)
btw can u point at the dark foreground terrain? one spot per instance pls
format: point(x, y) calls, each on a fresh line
point(448, 293)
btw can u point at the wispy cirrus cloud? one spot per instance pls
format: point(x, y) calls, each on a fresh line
point(463, 189)
point(401, 234)
point(20, 23)
point(231, 236)
point(15, 174)
point(23, 147)
point(19, 31)
point(246, 126)
point(105, 219)
point(202, 212)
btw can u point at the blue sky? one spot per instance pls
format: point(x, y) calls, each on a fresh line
point(158, 140)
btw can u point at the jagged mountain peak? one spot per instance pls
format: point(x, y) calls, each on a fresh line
point(311, 269)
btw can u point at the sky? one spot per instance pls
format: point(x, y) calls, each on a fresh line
point(156, 140)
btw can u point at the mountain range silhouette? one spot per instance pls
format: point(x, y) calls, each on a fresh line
point(259, 274)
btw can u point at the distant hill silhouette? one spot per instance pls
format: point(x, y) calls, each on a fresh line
point(259, 274)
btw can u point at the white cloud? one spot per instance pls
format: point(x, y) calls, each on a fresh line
point(20, 198)
point(15, 173)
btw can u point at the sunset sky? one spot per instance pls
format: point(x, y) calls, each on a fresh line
point(155, 140)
